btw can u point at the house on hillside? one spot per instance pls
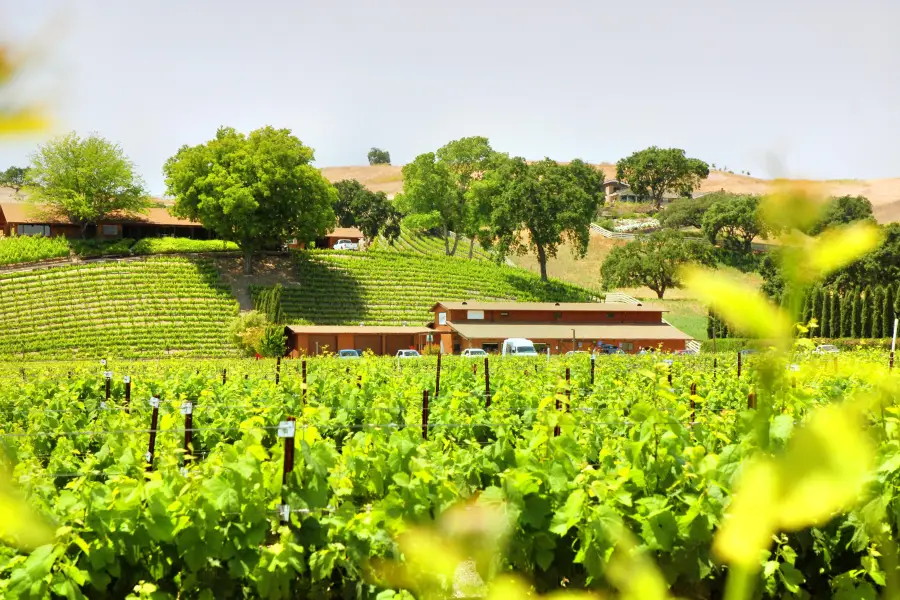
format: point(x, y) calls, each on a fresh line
point(559, 327)
point(330, 239)
point(20, 218)
point(618, 191)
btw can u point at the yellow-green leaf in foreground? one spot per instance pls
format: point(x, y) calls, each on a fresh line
point(838, 247)
point(751, 518)
point(792, 207)
point(825, 467)
point(742, 306)
point(19, 525)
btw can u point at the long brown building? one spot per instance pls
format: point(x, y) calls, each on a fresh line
point(561, 327)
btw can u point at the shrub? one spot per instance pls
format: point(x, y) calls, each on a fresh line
point(247, 331)
point(28, 248)
point(177, 245)
point(95, 248)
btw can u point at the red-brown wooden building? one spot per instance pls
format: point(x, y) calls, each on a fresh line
point(310, 340)
point(561, 327)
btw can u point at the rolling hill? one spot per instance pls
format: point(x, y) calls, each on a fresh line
point(883, 193)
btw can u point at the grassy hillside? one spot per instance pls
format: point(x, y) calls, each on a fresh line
point(390, 288)
point(134, 308)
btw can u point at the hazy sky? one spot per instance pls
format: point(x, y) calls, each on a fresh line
point(777, 87)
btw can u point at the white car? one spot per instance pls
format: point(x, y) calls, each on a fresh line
point(474, 352)
point(408, 354)
point(348, 354)
point(343, 244)
point(826, 349)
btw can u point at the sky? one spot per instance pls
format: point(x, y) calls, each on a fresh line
point(779, 88)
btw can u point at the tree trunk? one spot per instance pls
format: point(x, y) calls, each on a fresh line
point(446, 241)
point(542, 259)
point(248, 261)
point(455, 244)
point(471, 247)
point(660, 292)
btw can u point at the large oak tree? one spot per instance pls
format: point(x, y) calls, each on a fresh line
point(85, 180)
point(535, 207)
point(371, 212)
point(654, 171)
point(653, 261)
point(255, 190)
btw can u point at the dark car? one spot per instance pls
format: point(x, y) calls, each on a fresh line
point(608, 349)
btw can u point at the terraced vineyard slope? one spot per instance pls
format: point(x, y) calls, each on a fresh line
point(142, 308)
point(379, 287)
point(426, 243)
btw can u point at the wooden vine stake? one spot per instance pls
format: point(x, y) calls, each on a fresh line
point(693, 393)
point(127, 394)
point(739, 364)
point(286, 429)
point(277, 370)
point(437, 377)
point(224, 376)
point(487, 383)
point(593, 360)
point(568, 391)
point(425, 413)
point(303, 377)
point(154, 422)
point(751, 400)
point(187, 409)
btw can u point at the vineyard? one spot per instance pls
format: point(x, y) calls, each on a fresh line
point(429, 244)
point(209, 491)
point(390, 288)
point(133, 308)
point(28, 249)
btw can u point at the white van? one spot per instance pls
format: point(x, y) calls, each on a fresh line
point(518, 347)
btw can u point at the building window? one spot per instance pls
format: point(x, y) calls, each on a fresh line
point(442, 318)
point(557, 315)
point(475, 315)
point(610, 315)
point(627, 346)
point(33, 230)
point(110, 230)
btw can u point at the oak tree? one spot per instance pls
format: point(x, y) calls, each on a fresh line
point(255, 190)
point(377, 156)
point(13, 177)
point(653, 261)
point(652, 172)
point(737, 219)
point(539, 206)
point(85, 180)
point(371, 212)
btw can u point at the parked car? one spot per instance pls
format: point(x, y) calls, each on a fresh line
point(826, 349)
point(348, 354)
point(574, 352)
point(343, 244)
point(691, 352)
point(748, 351)
point(474, 352)
point(408, 354)
point(518, 347)
point(609, 349)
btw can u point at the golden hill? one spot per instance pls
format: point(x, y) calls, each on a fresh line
point(883, 193)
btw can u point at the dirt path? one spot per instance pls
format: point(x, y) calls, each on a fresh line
point(267, 270)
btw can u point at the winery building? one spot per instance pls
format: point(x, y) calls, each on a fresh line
point(310, 340)
point(561, 327)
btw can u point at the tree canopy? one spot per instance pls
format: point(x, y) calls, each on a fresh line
point(653, 171)
point(377, 156)
point(438, 190)
point(371, 211)
point(653, 261)
point(85, 180)
point(538, 206)
point(737, 219)
point(687, 212)
point(13, 177)
point(252, 189)
point(843, 210)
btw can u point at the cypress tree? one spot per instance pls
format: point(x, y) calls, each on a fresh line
point(815, 308)
point(835, 315)
point(856, 332)
point(847, 314)
point(877, 305)
point(888, 312)
point(825, 321)
point(866, 314)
